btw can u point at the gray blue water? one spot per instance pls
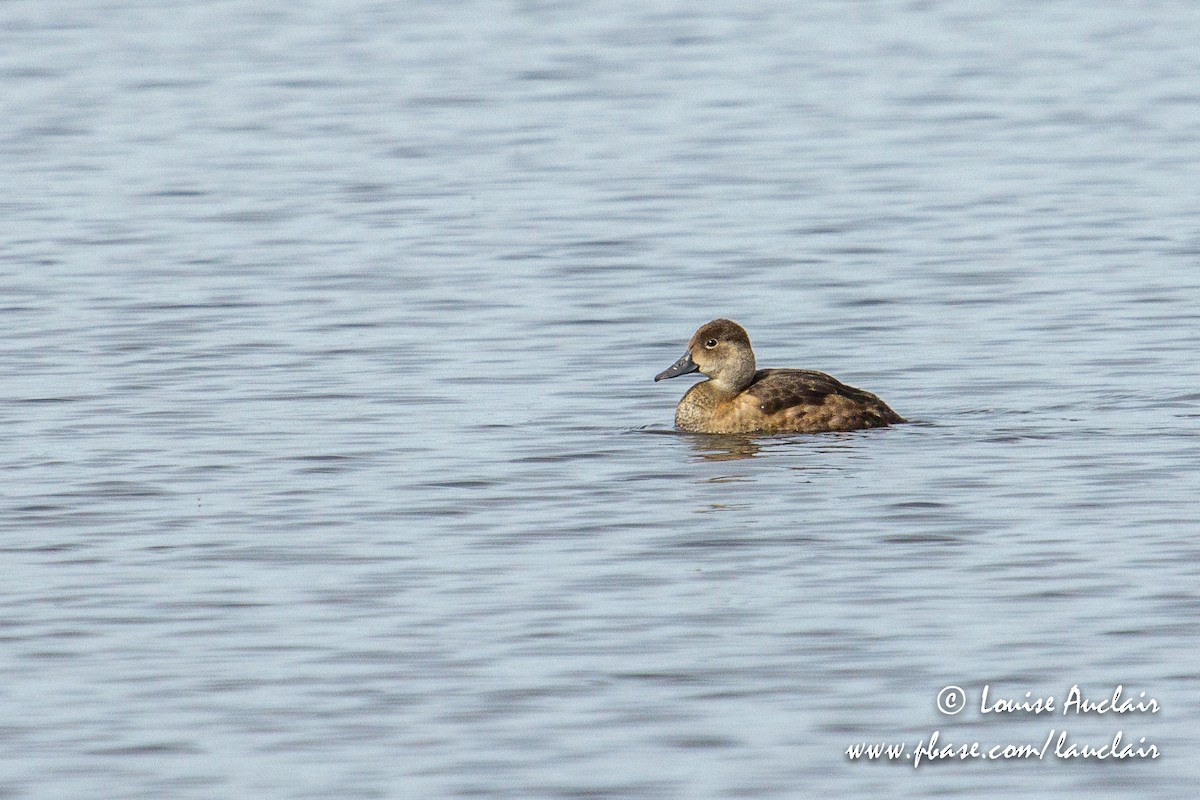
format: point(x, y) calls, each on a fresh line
point(332, 466)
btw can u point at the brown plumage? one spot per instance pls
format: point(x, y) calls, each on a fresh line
point(738, 398)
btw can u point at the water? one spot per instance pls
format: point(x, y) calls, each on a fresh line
point(333, 467)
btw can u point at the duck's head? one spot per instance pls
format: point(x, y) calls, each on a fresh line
point(720, 350)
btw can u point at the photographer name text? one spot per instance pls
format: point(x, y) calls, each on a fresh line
point(1074, 703)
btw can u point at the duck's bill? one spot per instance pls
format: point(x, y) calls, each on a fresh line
point(681, 367)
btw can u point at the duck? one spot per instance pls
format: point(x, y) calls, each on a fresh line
point(740, 398)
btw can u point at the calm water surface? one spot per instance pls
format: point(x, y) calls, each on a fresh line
point(332, 463)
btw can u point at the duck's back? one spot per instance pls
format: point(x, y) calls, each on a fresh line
point(806, 401)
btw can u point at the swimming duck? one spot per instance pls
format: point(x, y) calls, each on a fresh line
point(738, 398)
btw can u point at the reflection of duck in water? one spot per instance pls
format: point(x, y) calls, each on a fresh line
point(726, 448)
point(737, 398)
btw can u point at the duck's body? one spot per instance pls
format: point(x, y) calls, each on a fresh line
point(738, 398)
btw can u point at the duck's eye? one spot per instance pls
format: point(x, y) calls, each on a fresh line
point(710, 344)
